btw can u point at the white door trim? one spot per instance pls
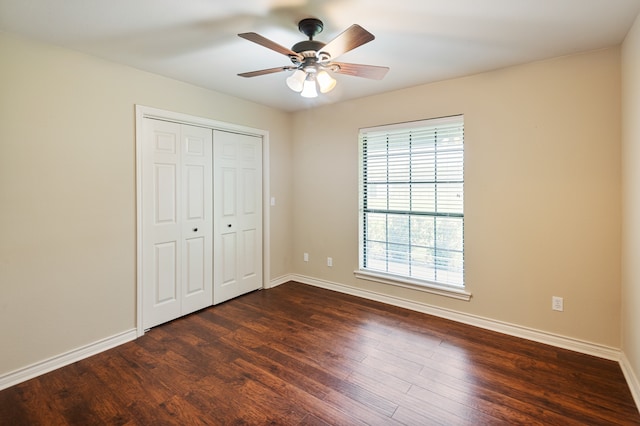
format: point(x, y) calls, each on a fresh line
point(143, 112)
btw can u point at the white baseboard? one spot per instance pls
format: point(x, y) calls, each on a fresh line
point(564, 342)
point(632, 379)
point(280, 280)
point(42, 367)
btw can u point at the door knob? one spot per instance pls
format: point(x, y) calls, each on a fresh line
point(195, 229)
point(229, 226)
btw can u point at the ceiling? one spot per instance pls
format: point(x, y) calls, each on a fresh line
point(421, 41)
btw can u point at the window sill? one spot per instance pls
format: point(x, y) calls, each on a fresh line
point(427, 287)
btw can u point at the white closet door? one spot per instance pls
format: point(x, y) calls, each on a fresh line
point(237, 215)
point(176, 221)
point(197, 220)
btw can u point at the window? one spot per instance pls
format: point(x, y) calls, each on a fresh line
point(411, 202)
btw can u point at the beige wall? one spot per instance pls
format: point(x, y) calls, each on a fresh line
point(542, 191)
point(631, 197)
point(67, 193)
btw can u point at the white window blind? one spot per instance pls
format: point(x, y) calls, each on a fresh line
point(412, 200)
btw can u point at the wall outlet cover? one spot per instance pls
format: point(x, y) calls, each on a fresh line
point(557, 303)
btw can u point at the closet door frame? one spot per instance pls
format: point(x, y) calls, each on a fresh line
point(143, 112)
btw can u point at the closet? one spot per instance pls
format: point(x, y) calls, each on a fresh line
point(200, 217)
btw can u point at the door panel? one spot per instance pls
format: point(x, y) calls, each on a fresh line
point(165, 194)
point(197, 222)
point(195, 196)
point(195, 268)
point(177, 223)
point(250, 187)
point(165, 273)
point(229, 192)
point(161, 263)
point(229, 261)
point(237, 214)
point(250, 252)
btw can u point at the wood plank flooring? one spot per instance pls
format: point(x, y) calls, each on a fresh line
point(299, 355)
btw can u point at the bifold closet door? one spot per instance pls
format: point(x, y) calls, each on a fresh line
point(237, 180)
point(177, 222)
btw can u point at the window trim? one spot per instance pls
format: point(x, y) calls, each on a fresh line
point(424, 286)
point(443, 289)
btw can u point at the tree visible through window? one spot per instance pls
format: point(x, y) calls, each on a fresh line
point(411, 200)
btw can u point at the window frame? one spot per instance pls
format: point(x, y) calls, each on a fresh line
point(430, 286)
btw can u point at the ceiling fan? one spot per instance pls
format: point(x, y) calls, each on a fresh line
point(313, 60)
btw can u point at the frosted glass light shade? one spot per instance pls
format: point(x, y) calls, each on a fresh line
point(325, 81)
point(309, 90)
point(296, 80)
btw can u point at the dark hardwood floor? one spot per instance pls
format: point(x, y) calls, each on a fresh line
point(296, 354)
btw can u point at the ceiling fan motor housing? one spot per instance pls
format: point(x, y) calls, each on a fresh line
point(310, 48)
point(310, 27)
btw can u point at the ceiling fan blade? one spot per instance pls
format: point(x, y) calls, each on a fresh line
point(263, 41)
point(352, 37)
point(359, 70)
point(266, 71)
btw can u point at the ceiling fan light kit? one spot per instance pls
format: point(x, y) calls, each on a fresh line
point(309, 89)
point(296, 80)
point(312, 59)
point(304, 82)
point(325, 82)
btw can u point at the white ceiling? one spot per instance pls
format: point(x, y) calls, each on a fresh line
point(420, 40)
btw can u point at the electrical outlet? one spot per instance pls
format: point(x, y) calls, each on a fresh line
point(329, 261)
point(557, 303)
point(306, 257)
